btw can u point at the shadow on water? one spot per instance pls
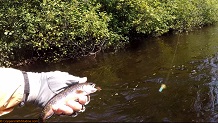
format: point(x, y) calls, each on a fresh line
point(208, 73)
point(130, 81)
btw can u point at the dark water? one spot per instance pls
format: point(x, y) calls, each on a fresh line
point(130, 81)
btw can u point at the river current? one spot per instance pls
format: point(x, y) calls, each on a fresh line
point(187, 63)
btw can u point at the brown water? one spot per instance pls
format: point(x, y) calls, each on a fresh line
point(130, 81)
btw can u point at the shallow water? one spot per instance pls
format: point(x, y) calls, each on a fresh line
point(130, 81)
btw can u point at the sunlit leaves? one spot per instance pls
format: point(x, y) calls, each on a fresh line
point(159, 16)
point(54, 29)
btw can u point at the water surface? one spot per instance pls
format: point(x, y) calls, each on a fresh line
point(130, 81)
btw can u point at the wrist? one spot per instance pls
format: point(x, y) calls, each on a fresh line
point(34, 86)
point(40, 92)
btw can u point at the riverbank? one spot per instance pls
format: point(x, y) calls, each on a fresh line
point(51, 31)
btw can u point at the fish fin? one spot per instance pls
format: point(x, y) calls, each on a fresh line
point(49, 116)
point(74, 114)
point(79, 91)
point(61, 89)
point(83, 109)
point(65, 87)
point(46, 116)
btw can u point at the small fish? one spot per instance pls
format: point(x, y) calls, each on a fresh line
point(81, 88)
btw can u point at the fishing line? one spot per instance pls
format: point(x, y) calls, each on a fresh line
point(163, 86)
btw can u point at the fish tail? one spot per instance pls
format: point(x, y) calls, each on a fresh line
point(45, 115)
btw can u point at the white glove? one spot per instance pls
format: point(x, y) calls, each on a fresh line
point(43, 86)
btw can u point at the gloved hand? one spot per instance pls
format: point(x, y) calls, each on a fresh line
point(43, 86)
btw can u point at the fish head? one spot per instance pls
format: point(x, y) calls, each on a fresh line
point(89, 88)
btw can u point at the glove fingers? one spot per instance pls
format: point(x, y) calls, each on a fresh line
point(58, 80)
point(82, 80)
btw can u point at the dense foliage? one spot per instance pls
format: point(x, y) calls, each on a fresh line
point(157, 17)
point(52, 30)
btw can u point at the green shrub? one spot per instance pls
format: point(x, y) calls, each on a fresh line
point(159, 16)
point(52, 30)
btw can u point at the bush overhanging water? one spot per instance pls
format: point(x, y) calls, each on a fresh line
point(52, 30)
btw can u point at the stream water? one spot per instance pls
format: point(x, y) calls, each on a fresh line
point(130, 81)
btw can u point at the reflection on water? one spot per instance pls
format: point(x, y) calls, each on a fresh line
point(210, 68)
point(130, 81)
